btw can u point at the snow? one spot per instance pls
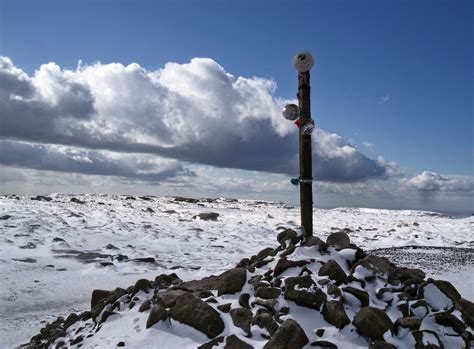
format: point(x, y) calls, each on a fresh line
point(58, 282)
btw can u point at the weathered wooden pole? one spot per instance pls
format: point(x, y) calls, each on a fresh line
point(303, 63)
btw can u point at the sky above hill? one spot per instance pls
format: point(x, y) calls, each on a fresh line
point(185, 97)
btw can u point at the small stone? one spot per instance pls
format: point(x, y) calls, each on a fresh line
point(145, 306)
point(120, 344)
point(225, 308)
point(288, 235)
point(314, 241)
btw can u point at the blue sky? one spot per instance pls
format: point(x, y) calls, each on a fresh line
point(392, 78)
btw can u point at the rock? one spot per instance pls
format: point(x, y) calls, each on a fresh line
point(157, 314)
point(372, 322)
point(42, 198)
point(334, 272)
point(450, 320)
point(210, 216)
point(467, 311)
point(412, 323)
point(264, 319)
point(212, 343)
point(97, 296)
point(435, 297)
point(284, 264)
point(426, 339)
point(25, 260)
point(29, 246)
point(188, 200)
point(242, 317)
point(334, 313)
point(5, 217)
point(141, 285)
point(268, 292)
point(269, 304)
point(339, 241)
point(164, 280)
point(144, 260)
point(265, 253)
point(289, 335)
point(303, 291)
point(149, 209)
point(234, 342)
point(225, 308)
point(378, 266)
point(314, 241)
point(288, 235)
point(120, 344)
point(145, 306)
point(320, 332)
point(403, 274)
point(196, 313)
point(362, 296)
point(168, 298)
point(381, 345)
point(111, 247)
point(420, 308)
point(244, 300)
point(229, 282)
point(334, 291)
point(77, 201)
point(324, 344)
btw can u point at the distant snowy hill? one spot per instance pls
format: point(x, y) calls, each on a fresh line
point(55, 250)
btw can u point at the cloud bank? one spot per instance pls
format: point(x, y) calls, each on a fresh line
point(434, 182)
point(194, 112)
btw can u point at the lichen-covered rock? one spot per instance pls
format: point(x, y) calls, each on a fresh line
point(339, 240)
point(372, 322)
point(289, 335)
point(242, 317)
point(303, 291)
point(196, 313)
point(156, 315)
point(333, 271)
point(334, 313)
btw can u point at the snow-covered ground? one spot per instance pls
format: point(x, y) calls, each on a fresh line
point(54, 253)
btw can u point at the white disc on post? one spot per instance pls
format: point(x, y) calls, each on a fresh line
point(303, 61)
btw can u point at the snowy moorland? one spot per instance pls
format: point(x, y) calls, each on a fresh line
point(56, 250)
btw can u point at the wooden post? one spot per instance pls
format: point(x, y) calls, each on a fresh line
point(306, 170)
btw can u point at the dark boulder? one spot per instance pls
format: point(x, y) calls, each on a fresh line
point(229, 282)
point(157, 314)
point(412, 323)
point(334, 313)
point(210, 216)
point(450, 320)
point(242, 318)
point(426, 339)
point(268, 292)
point(339, 240)
point(333, 271)
point(372, 322)
point(288, 235)
point(289, 335)
point(97, 296)
point(284, 264)
point(234, 342)
point(362, 296)
point(196, 313)
point(303, 291)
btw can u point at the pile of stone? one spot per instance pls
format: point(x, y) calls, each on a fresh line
point(363, 297)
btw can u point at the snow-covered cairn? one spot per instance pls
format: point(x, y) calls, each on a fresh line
point(302, 293)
